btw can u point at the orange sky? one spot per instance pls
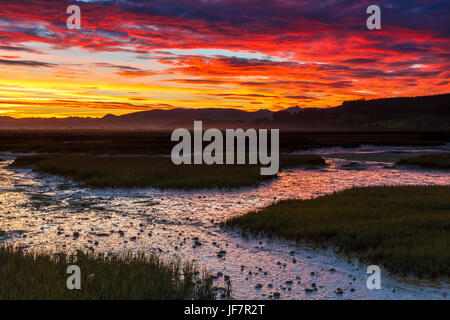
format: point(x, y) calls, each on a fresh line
point(137, 55)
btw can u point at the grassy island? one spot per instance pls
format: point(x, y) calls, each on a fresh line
point(404, 228)
point(155, 171)
point(41, 275)
point(431, 161)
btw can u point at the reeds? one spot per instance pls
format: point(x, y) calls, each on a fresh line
point(404, 228)
point(42, 275)
point(154, 171)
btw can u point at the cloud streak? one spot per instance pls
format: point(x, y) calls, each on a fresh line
point(227, 53)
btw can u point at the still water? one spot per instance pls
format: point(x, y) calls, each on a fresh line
point(42, 211)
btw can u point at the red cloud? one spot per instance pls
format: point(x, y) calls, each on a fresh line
point(316, 49)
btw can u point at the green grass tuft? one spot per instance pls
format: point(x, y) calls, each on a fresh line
point(405, 228)
point(432, 161)
point(41, 275)
point(154, 171)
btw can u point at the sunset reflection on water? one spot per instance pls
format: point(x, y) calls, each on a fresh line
point(41, 211)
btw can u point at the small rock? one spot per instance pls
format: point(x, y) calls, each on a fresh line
point(197, 244)
point(339, 291)
point(221, 253)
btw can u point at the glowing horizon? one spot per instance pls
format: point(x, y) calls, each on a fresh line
point(134, 55)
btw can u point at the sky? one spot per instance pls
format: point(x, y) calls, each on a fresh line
point(134, 55)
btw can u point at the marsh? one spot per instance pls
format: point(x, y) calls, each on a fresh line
point(40, 210)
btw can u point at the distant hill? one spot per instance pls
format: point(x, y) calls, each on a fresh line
point(144, 120)
point(410, 113)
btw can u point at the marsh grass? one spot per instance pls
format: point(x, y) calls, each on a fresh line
point(41, 275)
point(432, 161)
point(404, 228)
point(159, 142)
point(312, 161)
point(154, 171)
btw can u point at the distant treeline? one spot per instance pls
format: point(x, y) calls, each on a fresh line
point(413, 113)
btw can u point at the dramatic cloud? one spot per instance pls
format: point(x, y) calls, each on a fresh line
point(224, 53)
point(25, 63)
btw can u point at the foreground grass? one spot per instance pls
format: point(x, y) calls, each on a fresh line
point(405, 228)
point(40, 275)
point(154, 171)
point(432, 161)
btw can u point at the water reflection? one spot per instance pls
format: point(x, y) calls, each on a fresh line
point(42, 211)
